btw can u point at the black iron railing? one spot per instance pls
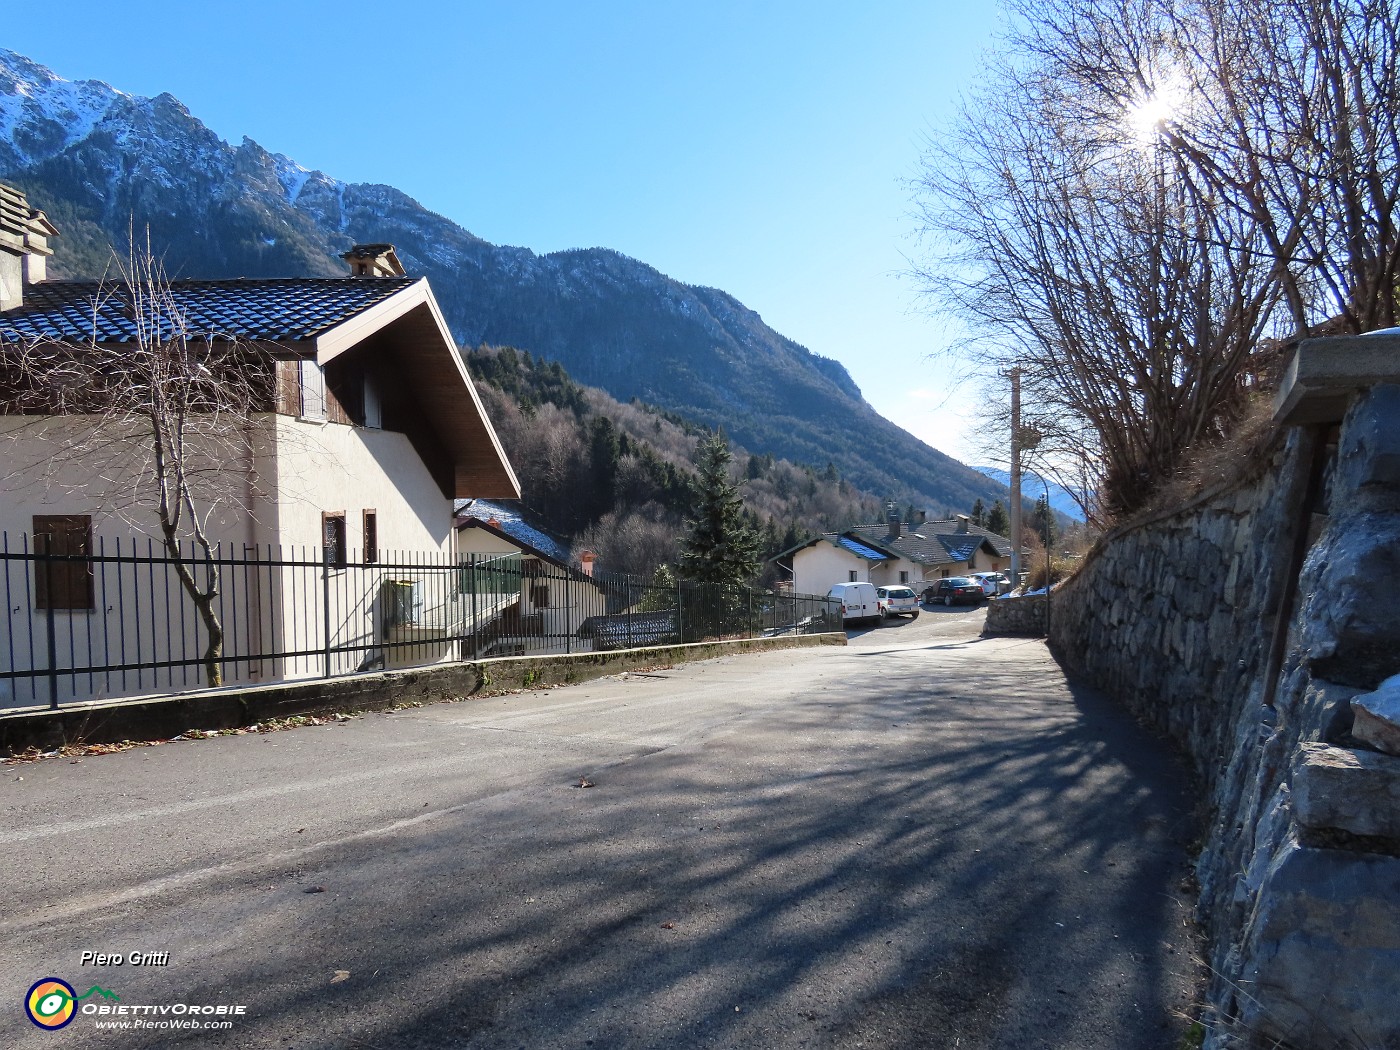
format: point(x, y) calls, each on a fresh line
point(115, 620)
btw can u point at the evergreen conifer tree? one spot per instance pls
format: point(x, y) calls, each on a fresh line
point(998, 523)
point(1043, 521)
point(719, 547)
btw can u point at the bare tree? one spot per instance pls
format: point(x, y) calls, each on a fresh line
point(1148, 194)
point(634, 541)
point(1097, 270)
point(1279, 112)
point(161, 423)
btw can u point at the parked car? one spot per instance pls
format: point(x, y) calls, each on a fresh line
point(956, 590)
point(898, 601)
point(993, 583)
point(858, 601)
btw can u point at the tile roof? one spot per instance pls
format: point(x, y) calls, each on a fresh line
point(960, 547)
point(859, 549)
point(514, 526)
point(292, 309)
point(933, 542)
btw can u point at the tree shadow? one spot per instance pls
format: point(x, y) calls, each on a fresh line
point(985, 856)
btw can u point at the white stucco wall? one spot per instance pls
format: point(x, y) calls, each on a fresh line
point(570, 601)
point(816, 568)
point(78, 465)
point(268, 490)
point(887, 574)
point(331, 467)
point(479, 541)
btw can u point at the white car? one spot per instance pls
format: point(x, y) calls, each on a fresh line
point(993, 583)
point(898, 601)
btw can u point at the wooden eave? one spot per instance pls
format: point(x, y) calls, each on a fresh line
point(427, 358)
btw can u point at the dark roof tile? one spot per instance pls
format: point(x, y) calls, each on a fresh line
point(292, 309)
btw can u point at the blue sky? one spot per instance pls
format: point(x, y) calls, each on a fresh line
point(761, 147)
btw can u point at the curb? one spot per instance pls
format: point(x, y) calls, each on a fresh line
point(162, 717)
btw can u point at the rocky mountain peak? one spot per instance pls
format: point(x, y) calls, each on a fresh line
point(102, 162)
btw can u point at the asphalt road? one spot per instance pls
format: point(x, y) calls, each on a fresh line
point(924, 839)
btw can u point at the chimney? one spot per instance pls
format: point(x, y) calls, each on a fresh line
point(922, 517)
point(24, 246)
point(585, 563)
point(892, 519)
point(373, 260)
point(962, 523)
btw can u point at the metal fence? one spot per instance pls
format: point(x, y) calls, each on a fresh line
point(115, 620)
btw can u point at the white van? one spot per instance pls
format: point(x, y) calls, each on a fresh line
point(858, 601)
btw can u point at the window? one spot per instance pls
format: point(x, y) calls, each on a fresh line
point(852, 575)
point(903, 577)
point(63, 584)
point(374, 415)
point(371, 537)
point(539, 595)
point(333, 539)
point(313, 390)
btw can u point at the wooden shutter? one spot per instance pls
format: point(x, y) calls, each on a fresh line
point(371, 553)
point(63, 584)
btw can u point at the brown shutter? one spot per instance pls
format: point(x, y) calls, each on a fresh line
point(371, 551)
point(63, 584)
point(289, 388)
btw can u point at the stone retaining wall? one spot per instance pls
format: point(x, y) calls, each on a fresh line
point(1204, 623)
point(1022, 615)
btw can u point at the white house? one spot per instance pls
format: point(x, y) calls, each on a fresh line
point(893, 553)
point(553, 597)
point(346, 479)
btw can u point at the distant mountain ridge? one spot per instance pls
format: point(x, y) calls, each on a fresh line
point(98, 160)
point(1033, 486)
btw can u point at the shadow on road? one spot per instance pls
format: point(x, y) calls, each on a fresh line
point(982, 857)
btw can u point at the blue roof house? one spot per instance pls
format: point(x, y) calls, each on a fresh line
point(893, 553)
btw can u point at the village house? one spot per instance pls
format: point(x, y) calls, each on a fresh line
point(894, 553)
point(552, 596)
point(346, 479)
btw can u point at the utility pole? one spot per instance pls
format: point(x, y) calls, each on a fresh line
point(1015, 477)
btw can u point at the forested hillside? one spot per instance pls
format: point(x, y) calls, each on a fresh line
point(617, 478)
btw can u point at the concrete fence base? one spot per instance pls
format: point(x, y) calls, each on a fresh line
point(162, 717)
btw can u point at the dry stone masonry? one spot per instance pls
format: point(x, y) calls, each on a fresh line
point(1259, 629)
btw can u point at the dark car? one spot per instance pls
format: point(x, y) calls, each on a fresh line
point(956, 590)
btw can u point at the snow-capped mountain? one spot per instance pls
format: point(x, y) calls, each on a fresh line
point(102, 162)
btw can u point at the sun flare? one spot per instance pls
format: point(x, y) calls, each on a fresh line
point(1149, 114)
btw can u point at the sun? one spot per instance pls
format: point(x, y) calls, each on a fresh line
point(1151, 111)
